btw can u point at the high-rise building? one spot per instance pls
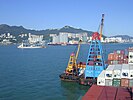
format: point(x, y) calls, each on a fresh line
point(55, 39)
point(63, 37)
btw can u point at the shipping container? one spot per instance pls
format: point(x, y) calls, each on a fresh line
point(125, 61)
point(122, 52)
point(117, 71)
point(118, 51)
point(131, 71)
point(101, 78)
point(125, 71)
point(116, 57)
point(130, 57)
point(111, 56)
point(110, 62)
point(115, 62)
point(120, 57)
point(125, 56)
point(108, 82)
point(131, 83)
point(124, 82)
point(120, 62)
point(116, 82)
point(109, 72)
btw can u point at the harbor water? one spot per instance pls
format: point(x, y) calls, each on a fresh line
point(33, 74)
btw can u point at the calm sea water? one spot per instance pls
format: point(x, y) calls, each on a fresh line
point(33, 74)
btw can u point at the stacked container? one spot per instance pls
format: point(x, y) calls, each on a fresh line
point(131, 83)
point(108, 82)
point(130, 61)
point(117, 75)
point(109, 75)
point(118, 57)
point(130, 71)
point(124, 82)
point(117, 71)
point(116, 82)
point(130, 55)
point(125, 71)
point(125, 75)
point(109, 72)
point(131, 75)
point(125, 60)
point(101, 79)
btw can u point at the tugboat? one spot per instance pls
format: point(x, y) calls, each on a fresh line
point(73, 69)
point(95, 62)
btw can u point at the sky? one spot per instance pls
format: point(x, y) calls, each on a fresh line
point(84, 14)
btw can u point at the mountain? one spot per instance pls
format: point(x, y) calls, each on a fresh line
point(125, 37)
point(20, 29)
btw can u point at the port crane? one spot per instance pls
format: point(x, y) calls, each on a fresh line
point(72, 64)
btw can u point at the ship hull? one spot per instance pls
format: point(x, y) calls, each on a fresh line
point(88, 82)
point(69, 77)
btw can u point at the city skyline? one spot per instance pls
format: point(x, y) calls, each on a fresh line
point(46, 14)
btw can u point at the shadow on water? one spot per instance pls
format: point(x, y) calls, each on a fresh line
point(72, 90)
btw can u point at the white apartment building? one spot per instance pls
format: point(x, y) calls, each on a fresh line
point(35, 38)
point(63, 37)
point(55, 39)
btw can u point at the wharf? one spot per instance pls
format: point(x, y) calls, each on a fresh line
point(108, 93)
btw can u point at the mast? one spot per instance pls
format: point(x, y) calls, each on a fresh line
point(101, 26)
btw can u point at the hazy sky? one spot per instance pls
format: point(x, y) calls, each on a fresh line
point(85, 14)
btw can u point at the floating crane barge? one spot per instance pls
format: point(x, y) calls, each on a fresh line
point(72, 71)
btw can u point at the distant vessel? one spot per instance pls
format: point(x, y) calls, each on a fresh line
point(62, 44)
point(25, 45)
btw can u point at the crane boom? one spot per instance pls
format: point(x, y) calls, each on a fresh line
point(78, 50)
point(101, 28)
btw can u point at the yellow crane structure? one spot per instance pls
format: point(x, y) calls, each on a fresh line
point(72, 63)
